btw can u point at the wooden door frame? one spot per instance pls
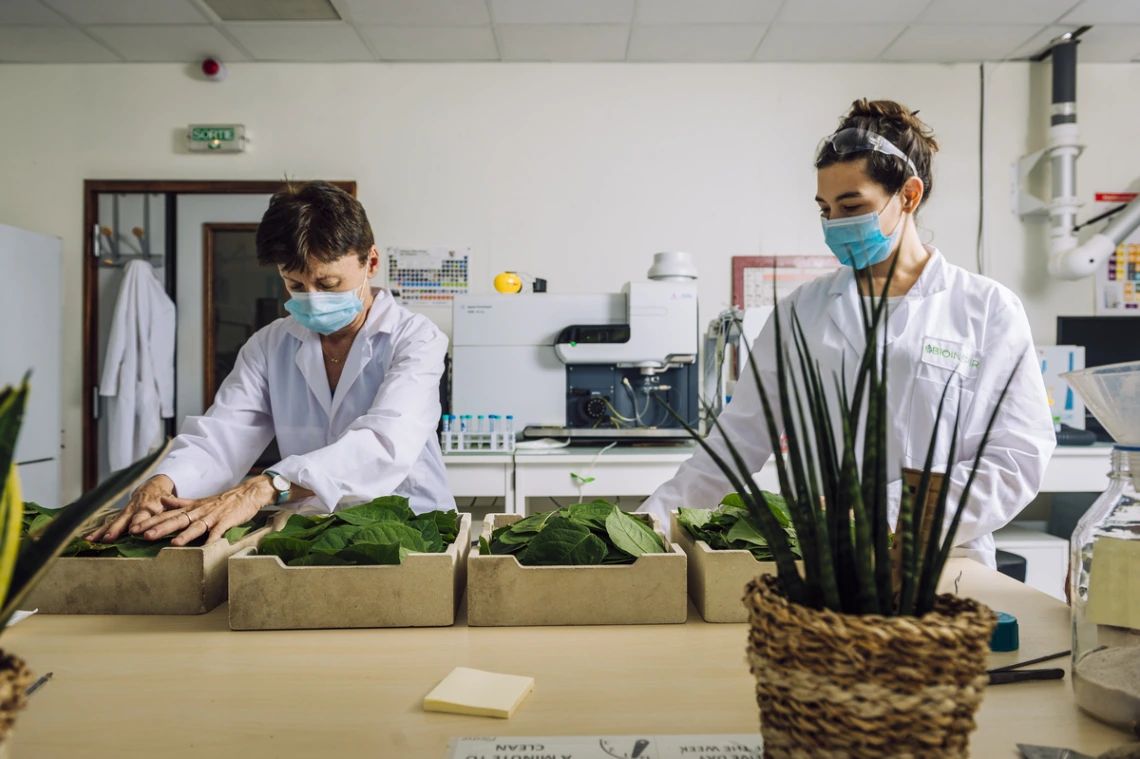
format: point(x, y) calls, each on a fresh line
point(209, 376)
point(92, 188)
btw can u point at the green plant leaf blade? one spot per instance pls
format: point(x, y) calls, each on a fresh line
point(629, 537)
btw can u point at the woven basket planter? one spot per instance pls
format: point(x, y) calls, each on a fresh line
point(14, 681)
point(839, 686)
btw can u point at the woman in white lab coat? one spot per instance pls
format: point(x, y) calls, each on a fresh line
point(873, 175)
point(349, 384)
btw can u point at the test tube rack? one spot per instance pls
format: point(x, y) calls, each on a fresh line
point(482, 434)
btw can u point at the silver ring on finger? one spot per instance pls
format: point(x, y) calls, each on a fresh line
point(189, 521)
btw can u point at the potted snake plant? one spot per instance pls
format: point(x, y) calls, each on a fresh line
point(859, 655)
point(23, 563)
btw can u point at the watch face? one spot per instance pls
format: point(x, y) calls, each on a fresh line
point(280, 484)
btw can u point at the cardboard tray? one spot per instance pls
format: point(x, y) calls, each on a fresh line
point(189, 580)
point(503, 593)
point(424, 591)
point(717, 578)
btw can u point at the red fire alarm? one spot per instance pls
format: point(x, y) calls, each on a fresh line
point(213, 69)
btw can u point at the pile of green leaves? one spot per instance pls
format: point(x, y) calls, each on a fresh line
point(580, 534)
point(731, 527)
point(384, 531)
point(37, 517)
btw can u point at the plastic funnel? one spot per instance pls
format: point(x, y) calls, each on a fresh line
point(1112, 394)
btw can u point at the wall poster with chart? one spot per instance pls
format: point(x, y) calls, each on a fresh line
point(753, 277)
point(1118, 278)
point(428, 275)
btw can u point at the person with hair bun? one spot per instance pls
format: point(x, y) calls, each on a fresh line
point(946, 327)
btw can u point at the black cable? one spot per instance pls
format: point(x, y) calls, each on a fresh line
point(981, 166)
point(556, 503)
point(1100, 217)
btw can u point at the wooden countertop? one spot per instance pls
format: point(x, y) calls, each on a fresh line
point(188, 686)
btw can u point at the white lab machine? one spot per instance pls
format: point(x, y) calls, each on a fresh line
point(587, 367)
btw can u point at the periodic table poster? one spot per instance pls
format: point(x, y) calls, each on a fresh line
point(1118, 280)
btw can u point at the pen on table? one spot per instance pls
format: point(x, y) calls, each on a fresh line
point(1038, 660)
point(38, 684)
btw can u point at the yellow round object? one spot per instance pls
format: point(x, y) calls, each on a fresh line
point(508, 282)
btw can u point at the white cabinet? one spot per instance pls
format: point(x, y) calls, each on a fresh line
point(1046, 557)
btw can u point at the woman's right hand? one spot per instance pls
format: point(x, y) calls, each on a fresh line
point(145, 503)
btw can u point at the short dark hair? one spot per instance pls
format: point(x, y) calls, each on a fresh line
point(902, 127)
point(312, 222)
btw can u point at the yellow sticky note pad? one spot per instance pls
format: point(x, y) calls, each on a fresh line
point(481, 694)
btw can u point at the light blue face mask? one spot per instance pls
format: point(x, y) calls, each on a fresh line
point(858, 241)
point(326, 313)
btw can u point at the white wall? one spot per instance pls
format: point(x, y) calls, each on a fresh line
point(577, 173)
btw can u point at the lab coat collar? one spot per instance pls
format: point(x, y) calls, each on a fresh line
point(383, 317)
point(846, 308)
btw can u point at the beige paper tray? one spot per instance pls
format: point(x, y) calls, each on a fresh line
point(424, 591)
point(190, 580)
point(717, 578)
point(503, 593)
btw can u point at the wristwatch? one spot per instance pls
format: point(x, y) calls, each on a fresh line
point(280, 484)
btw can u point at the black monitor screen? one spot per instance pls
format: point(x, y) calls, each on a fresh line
point(1107, 339)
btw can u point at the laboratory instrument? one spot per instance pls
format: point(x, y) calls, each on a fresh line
point(589, 367)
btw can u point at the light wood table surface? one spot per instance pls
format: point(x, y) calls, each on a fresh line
point(188, 686)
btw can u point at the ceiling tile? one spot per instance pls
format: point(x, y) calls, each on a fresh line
point(725, 42)
point(1115, 43)
point(129, 11)
point(991, 12)
point(167, 43)
point(563, 42)
point(421, 43)
point(1105, 12)
point(960, 43)
point(826, 42)
point(28, 12)
point(1041, 40)
point(300, 42)
point(45, 44)
point(419, 12)
point(562, 11)
point(864, 12)
point(273, 10)
point(706, 11)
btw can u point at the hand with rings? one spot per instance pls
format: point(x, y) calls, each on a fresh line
point(210, 516)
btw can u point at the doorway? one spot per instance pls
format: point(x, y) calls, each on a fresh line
point(198, 236)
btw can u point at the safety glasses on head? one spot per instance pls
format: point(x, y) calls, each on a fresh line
point(855, 140)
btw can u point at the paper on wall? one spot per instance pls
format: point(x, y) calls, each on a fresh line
point(1118, 279)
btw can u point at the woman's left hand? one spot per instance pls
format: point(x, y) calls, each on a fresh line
point(210, 516)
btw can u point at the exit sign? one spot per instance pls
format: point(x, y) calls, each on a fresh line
point(216, 138)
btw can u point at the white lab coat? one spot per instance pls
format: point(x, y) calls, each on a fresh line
point(374, 437)
point(138, 370)
point(947, 311)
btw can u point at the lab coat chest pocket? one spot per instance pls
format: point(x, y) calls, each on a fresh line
point(929, 385)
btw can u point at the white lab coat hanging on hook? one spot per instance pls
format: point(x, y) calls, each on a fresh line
point(951, 326)
point(138, 371)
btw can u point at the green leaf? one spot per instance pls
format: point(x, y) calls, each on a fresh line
point(592, 515)
point(305, 528)
point(234, 534)
point(318, 560)
point(336, 538)
point(389, 532)
point(484, 547)
point(284, 546)
point(389, 508)
point(533, 523)
point(693, 519)
point(374, 553)
point(563, 543)
point(630, 537)
point(141, 549)
point(744, 531)
point(447, 522)
point(38, 523)
point(433, 541)
point(583, 480)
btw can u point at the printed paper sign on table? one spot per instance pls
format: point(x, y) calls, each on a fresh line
point(611, 747)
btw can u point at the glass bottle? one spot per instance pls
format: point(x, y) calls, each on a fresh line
point(1104, 584)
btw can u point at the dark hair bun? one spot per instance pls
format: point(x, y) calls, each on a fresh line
point(903, 128)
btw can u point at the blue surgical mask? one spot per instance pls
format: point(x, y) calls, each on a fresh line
point(859, 241)
point(326, 313)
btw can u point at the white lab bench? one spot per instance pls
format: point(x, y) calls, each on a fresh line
point(638, 471)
